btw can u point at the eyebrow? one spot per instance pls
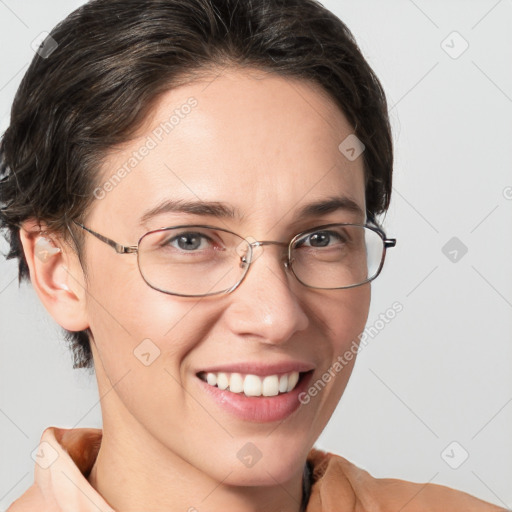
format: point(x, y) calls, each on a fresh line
point(226, 211)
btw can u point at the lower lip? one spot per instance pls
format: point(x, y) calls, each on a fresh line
point(258, 409)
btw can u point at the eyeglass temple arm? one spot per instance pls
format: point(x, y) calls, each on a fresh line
point(120, 249)
point(388, 242)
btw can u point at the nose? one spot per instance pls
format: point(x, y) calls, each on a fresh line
point(266, 304)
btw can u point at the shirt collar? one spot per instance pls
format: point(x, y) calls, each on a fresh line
point(64, 459)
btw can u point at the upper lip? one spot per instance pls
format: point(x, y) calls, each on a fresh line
point(254, 368)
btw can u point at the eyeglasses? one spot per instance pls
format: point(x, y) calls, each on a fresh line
point(201, 260)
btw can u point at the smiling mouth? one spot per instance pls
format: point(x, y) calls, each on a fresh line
point(253, 385)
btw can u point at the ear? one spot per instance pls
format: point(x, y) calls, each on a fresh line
point(56, 275)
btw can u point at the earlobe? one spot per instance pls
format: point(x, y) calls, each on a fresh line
point(56, 275)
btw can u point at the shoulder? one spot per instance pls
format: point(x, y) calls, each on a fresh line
point(337, 482)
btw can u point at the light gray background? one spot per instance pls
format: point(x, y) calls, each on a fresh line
point(440, 371)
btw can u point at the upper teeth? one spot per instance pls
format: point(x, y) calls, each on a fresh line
point(253, 385)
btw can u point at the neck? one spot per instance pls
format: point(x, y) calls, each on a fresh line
point(159, 480)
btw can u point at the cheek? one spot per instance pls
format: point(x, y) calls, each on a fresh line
point(142, 340)
point(344, 314)
point(128, 318)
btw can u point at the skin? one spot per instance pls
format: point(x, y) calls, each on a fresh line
point(267, 145)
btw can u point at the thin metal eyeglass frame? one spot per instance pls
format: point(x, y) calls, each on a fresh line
point(134, 249)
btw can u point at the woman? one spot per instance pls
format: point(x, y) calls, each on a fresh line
point(193, 188)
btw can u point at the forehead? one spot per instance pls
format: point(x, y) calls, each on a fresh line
point(261, 144)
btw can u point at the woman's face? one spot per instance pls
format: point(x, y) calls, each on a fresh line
point(266, 146)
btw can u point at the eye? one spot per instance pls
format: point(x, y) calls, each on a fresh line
point(320, 239)
point(189, 241)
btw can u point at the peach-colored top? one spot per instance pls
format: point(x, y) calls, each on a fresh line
point(66, 456)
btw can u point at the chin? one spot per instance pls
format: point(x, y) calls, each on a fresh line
point(264, 474)
point(267, 465)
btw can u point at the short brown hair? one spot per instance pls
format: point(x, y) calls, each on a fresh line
point(115, 57)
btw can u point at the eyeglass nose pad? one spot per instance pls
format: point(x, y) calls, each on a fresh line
point(249, 251)
point(243, 249)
